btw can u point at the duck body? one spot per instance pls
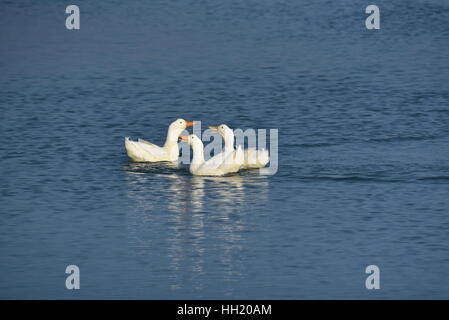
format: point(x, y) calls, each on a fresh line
point(252, 158)
point(255, 158)
point(231, 161)
point(215, 166)
point(144, 151)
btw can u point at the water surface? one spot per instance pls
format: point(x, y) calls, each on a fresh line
point(363, 119)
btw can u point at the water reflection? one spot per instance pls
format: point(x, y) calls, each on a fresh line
point(195, 225)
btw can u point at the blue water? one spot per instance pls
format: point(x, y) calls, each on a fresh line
point(363, 119)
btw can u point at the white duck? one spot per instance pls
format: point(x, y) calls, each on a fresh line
point(234, 163)
point(144, 151)
point(215, 166)
point(253, 158)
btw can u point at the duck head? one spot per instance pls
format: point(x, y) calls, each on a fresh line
point(192, 140)
point(181, 124)
point(226, 133)
point(175, 129)
point(222, 129)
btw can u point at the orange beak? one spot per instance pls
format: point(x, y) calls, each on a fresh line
point(184, 138)
point(190, 123)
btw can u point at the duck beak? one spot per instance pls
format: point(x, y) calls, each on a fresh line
point(190, 123)
point(214, 128)
point(184, 138)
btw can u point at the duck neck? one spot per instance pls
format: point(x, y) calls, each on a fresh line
point(228, 138)
point(198, 154)
point(172, 137)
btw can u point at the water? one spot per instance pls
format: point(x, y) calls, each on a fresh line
point(363, 119)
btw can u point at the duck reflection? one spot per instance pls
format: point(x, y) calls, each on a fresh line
point(186, 194)
point(197, 223)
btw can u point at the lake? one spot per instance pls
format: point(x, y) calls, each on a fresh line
point(363, 176)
